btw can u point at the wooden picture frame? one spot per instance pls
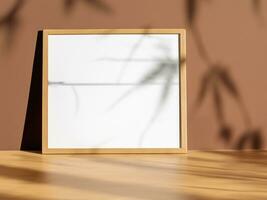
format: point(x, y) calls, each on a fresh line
point(182, 91)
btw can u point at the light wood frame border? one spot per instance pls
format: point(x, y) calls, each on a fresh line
point(183, 96)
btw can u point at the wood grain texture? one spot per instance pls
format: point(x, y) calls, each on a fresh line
point(217, 175)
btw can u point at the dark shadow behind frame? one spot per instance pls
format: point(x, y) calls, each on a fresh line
point(32, 132)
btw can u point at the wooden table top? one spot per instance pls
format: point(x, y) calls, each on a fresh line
point(197, 175)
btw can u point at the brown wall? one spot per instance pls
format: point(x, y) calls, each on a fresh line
point(226, 44)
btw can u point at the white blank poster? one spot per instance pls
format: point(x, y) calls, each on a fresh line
point(113, 91)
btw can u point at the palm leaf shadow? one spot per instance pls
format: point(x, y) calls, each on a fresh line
point(218, 103)
point(163, 98)
point(211, 83)
point(147, 78)
point(218, 78)
point(191, 10)
point(250, 137)
point(131, 54)
point(10, 21)
point(98, 4)
point(228, 83)
point(130, 57)
point(256, 5)
point(214, 80)
point(76, 99)
point(69, 4)
point(168, 70)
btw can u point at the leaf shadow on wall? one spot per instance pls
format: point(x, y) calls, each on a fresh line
point(99, 5)
point(216, 79)
point(10, 22)
point(32, 133)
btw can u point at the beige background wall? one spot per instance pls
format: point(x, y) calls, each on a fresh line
point(226, 54)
